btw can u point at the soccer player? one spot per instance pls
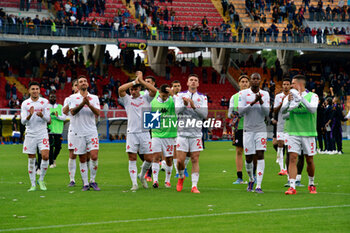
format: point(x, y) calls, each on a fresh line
point(302, 107)
point(237, 134)
point(84, 108)
point(176, 89)
point(280, 124)
point(254, 106)
point(190, 106)
point(55, 129)
point(137, 140)
point(35, 115)
point(163, 139)
point(72, 157)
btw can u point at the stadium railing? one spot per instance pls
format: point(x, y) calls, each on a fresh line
point(193, 36)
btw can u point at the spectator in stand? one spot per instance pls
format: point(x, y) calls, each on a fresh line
point(222, 76)
point(8, 90)
point(213, 77)
point(284, 35)
point(223, 101)
point(254, 32)
point(205, 22)
point(183, 64)
point(312, 10)
point(261, 34)
point(14, 91)
point(246, 35)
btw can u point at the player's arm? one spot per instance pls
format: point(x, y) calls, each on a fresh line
point(286, 103)
point(231, 108)
point(179, 105)
point(94, 106)
point(312, 105)
point(25, 116)
point(152, 90)
point(266, 104)
point(45, 114)
point(242, 105)
point(65, 109)
point(277, 106)
point(123, 88)
point(202, 111)
point(75, 110)
point(61, 117)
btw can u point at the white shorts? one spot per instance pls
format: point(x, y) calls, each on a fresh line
point(139, 142)
point(189, 144)
point(286, 139)
point(71, 138)
point(281, 136)
point(253, 141)
point(165, 145)
point(297, 144)
point(31, 144)
point(84, 144)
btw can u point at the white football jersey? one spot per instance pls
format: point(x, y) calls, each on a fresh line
point(280, 120)
point(35, 126)
point(134, 109)
point(254, 116)
point(84, 122)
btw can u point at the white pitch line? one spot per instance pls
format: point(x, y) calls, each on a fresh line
point(173, 217)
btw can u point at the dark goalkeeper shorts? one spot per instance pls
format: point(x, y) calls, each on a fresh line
point(238, 138)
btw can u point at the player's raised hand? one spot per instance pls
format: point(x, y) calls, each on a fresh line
point(31, 110)
point(86, 100)
point(290, 97)
point(40, 113)
point(139, 76)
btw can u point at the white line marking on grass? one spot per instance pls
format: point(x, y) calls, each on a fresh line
point(173, 217)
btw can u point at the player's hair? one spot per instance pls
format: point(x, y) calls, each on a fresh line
point(300, 77)
point(151, 77)
point(136, 86)
point(163, 88)
point(175, 81)
point(287, 80)
point(253, 74)
point(193, 75)
point(34, 83)
point(74, 81)
point(242, 77)
point(81, 76)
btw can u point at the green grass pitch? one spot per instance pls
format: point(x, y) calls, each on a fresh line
point(220, 207)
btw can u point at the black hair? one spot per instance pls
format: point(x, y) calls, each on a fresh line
point(287, 80)
point(151, 77)
point(175, 81)
point(163, 88)
point(300, 77)
point(34, 83)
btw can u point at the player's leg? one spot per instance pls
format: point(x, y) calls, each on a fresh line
point(309, 149)
point(175, 162)
point(260, 139)
point(155, 167)
point(58, 147)
point(181, 156)
point(132, 147)
point(51, 153)
point(44, 165)
point(31, 172)
point(294, 149)
point(300, 167)
point(146, 166)
point(146, 148)
point(238, 142)
point(93, 169)
point(280, 143)
point(72, 166)
point(195, 171)
point(187, 160)
point(249, 149)
point(84, 171)
point(168, 170)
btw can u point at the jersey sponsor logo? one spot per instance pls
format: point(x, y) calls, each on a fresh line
point(151, 120)
point(198, 99)
point(137, 105)
point(42, 102)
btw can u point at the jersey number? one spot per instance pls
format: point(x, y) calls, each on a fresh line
point(199, 144)
point(169, 148)
point(94, 141)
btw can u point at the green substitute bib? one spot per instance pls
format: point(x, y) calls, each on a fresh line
point(235, 108)
point(301, 121)
point(56, 126)
point(168, 119)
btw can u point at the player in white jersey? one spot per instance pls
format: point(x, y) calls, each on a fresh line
point(190, 106)
point(84, 108)
point(35, 115)
point(254, 106)
point(137, 139)
point(176, 89)
point(280, 124)
point(72, 157)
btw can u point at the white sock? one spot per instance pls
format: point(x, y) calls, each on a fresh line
point(260, 172)
point(181, 174)
point(292, 183)
point(155, 170)
point(186, 161)
point(72, 166)
point(168, 170)
point(133, 172)
point(93, 170)
point(84, 173)
point(144, 168)
point(44, 165)
point(31, 170)
point(311, 180)
point(249, 168)
point(280, 154)
point(175, 165)
point(298, 178)
point(195, 177)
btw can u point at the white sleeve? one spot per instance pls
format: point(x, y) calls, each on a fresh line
point(230, 109)
point(179, 105)
point(266, 105)
point(62, 117)
point(66, 102)
point(24, 114)
point(96, 103)
point(203, 110)
point(242, 105)
point(277, 102)
point(285, 105)
point(148, 97)
point(348, 116)
point(312, 106)
point(125, 99)
point(46, 113)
